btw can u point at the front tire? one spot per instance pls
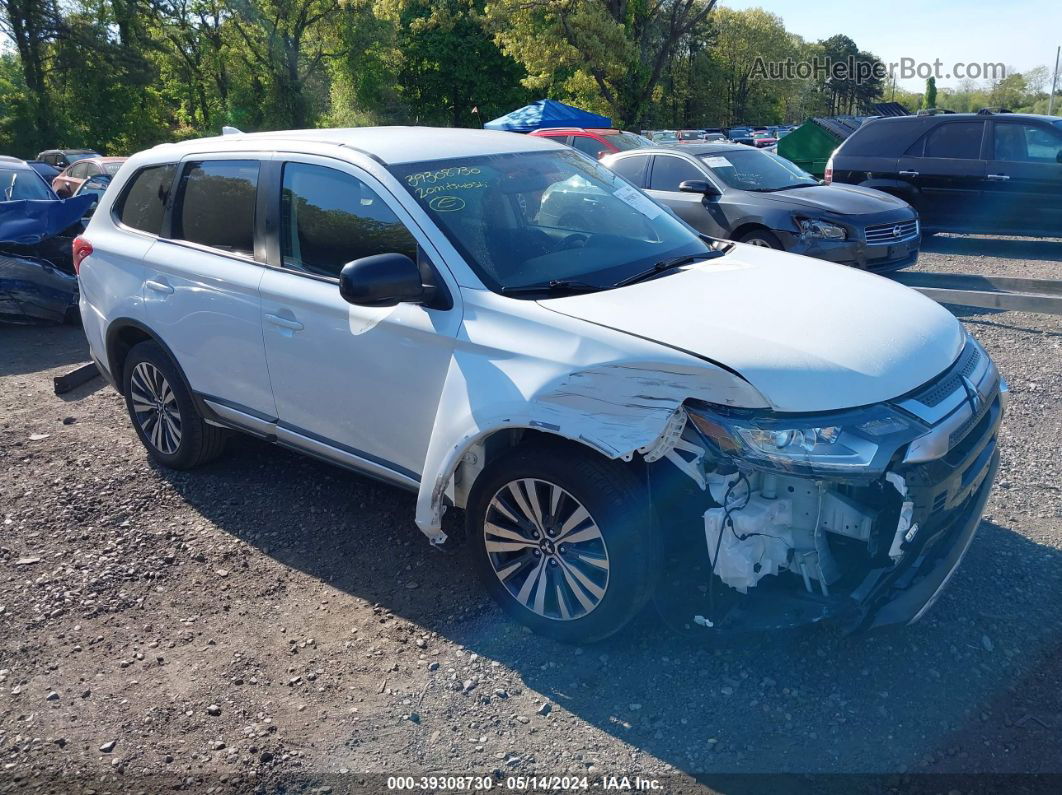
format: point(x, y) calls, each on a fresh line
point(563, 540)
point(163, 412)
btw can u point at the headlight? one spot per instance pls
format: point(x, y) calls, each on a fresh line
point(812, 229)
point(855, 443)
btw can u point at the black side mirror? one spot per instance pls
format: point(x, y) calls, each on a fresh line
point(381, 280)
point(698, 186)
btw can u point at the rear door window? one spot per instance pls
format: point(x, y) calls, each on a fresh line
point(956, 140)
point(329, 218)
point(143, 204)
point(216, 205)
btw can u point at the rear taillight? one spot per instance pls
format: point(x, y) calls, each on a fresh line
point(82, 248)
point(827, 176)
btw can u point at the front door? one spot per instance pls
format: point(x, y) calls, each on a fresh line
point(349, 380)
point(668, 172)
point(1024, 187)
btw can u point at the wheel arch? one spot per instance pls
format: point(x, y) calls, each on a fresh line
point(487, 448)
point(123, 334)
point(749, 226)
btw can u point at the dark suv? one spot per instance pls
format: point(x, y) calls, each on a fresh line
point(996, 173)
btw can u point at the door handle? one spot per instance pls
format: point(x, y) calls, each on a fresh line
point(283, 322)
point(998, 177)
point(158, 287)
point(908, 173)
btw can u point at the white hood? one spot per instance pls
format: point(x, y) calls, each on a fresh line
point(809, 335)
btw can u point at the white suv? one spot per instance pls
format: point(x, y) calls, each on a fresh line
point(808, 441)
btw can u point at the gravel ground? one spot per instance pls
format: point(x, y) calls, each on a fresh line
point(269, 617)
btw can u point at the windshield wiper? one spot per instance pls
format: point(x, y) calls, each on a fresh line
point(668, 264)
point(553, 287)
point(782, 187)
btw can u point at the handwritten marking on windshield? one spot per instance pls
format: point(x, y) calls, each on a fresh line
point(441, 173)
point(447, 204)
point(430, 190)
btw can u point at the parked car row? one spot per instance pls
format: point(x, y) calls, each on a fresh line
point(508, 328)
point(996, 173)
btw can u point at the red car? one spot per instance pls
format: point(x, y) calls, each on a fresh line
point(596, 142)
point(67, 183)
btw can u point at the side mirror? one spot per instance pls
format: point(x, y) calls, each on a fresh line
point(702, 186)
point(381, 280)
point(1058, 157)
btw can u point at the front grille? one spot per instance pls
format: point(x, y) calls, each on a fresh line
point(964, 367)
point(883, 234)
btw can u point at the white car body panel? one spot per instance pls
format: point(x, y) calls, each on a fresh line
point(870, 339)
point(416, 390)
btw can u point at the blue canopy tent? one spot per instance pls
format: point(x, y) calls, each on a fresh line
point(546, 113)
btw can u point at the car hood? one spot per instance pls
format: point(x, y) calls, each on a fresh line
point(808, 335)
point(840, 199)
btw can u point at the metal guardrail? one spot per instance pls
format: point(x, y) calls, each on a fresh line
point(1042, 296)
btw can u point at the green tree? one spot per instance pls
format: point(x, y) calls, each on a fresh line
point(622, 47)
point(451, 71)
point(930, 98)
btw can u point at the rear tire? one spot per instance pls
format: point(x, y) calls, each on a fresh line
point(764, 238)
point(163, 412)
point(563, 540)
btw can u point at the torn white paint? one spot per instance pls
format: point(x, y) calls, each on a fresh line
point(610, 391)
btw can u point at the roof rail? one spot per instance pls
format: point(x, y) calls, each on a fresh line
point(993, 111)
point(934, 111)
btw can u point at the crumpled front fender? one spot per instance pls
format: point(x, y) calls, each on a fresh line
point(615, 408)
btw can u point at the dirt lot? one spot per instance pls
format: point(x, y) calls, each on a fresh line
point(270, 619)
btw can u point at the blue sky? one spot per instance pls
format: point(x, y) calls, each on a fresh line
point(1020, 33)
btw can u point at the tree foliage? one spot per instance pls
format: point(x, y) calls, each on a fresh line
point(120, 75)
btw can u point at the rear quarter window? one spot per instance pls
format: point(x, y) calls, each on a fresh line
point(883, 138)
point(143, 203)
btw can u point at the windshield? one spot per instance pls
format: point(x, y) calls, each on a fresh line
point(531, 218)
point(626, 140)
point(665, 135)
point(19, 184)
point(73, 157)
point(755, 170)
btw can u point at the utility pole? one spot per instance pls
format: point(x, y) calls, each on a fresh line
point(1054, 84)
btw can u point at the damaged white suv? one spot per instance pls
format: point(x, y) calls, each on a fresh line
point(504, 326)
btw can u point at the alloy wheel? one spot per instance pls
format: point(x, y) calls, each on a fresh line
point(155, 408)
point(546, 549)
point(759, 242)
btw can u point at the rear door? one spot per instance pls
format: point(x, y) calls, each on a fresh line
point(1024, 187)
point(667, 173)
point(947, 168)
point(201, 290)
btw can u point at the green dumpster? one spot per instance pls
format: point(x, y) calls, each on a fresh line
point(811, 144)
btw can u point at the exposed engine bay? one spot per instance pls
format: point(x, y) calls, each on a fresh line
point(767, 524)
point(785, 544)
